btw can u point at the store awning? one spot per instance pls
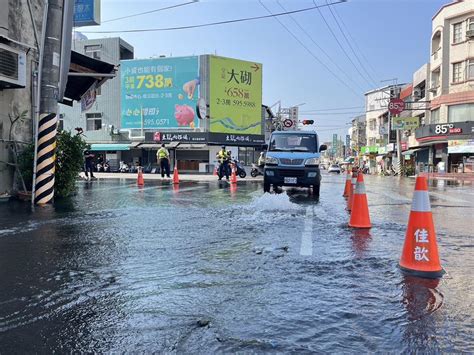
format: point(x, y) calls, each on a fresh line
point(411, 151)
point(110, 147)
point(83, 72)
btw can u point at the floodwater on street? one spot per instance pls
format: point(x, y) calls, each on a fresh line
point(207, 268)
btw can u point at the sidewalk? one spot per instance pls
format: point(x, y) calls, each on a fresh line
point(182, 177)
point(449, 176)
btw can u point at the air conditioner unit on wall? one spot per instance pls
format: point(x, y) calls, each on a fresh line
point(470, 33)
point(12, 68)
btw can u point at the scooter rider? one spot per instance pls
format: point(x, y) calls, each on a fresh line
point(261, 160)
point(223, 159)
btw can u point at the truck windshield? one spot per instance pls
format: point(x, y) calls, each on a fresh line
point(293, 142)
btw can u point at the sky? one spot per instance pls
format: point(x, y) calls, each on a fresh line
point(388, 39)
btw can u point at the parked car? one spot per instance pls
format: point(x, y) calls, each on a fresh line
point(334, 168)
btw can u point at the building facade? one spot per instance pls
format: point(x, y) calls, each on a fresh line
point(101, 121)
point(446, 137)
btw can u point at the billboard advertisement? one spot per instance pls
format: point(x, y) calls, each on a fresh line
point(159, 93)
point(235, 96)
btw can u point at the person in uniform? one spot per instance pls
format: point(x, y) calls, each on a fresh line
point(163, 156)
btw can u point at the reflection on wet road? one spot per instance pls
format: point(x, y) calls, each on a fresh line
point(203, 268)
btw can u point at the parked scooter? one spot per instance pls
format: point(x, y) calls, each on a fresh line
point(240, 169)
point(256, 170)
point(124, 167)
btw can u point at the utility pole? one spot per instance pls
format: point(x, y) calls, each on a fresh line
point(45, 150)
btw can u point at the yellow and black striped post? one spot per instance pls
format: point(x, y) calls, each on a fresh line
point(46, 158)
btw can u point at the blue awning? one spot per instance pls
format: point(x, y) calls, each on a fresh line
point(110, 147)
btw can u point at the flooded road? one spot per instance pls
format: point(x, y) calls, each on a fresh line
point(206, 268)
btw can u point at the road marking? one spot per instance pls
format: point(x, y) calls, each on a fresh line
point(307, 237)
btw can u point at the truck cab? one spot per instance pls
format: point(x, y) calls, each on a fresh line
point(293, 159)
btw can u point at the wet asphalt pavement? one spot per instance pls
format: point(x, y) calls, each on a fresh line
point(205, 268)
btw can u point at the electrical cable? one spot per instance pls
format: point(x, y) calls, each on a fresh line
point(218, 22)
point(333, 109)
point(369, 65)
point(151, 11)
point(310, 52)
point(350, 46)
point(340, 45)
point(320, 48)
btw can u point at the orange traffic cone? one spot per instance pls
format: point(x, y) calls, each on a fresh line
point(140, 180)
point(420, 251)
point(347, 188)
point(360, 210)
point(175, 176)
point(215, 171)
point(350, 197)
point(233, 177)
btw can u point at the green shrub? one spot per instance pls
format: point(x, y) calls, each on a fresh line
point(69, 162)
point(25, 164)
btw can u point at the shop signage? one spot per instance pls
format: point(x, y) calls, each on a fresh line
point(184, 137)
point(404, 145)
point(390, 147)
point(446, 129)
point(405, 123)
point(396, 106)
point(235, 90)
point(369, 149)
point(86, 13)
point(159, 93)
point(236, 139)
point(88, 99)
point(461, 146)
point(382, 150)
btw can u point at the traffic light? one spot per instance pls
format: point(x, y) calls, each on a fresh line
point(307, 122)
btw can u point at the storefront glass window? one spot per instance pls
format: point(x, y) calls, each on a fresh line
point(460, 113)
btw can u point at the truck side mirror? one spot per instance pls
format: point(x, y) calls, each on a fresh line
point(323, 147)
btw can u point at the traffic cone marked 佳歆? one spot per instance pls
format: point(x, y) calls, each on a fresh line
point(175, 176)
point(140, 180)
point(360, 217)
point(347, 187)
point(420, 255)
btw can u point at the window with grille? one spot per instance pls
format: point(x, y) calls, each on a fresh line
point(94, 121)
point(93, 51)
point(457, 72)
point(457, 32)
point(470, 69)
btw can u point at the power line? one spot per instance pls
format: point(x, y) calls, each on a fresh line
point(350, 45)
point(219, 22)
point(355, 43)
point(330, 113)
point(340, 45)
point(320, 48)
point(152, 11)
point(310, 52)
point(333, 109)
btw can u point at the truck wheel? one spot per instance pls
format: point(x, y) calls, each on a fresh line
point(316, 189)
point(266, 185)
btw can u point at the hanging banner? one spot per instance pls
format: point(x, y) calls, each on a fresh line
point(88, 99)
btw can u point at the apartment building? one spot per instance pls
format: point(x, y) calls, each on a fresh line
point(447, 135)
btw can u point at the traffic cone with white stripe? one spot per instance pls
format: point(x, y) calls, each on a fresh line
point(347, 188)
point(350, 197)
point(360, 209)
point(420, 255)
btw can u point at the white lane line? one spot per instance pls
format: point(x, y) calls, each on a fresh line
point(307, 237)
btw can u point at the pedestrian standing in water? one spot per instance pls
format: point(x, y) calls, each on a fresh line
point(89, 164)
point(163, 156)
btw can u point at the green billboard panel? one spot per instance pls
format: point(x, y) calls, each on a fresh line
point(235, 96)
